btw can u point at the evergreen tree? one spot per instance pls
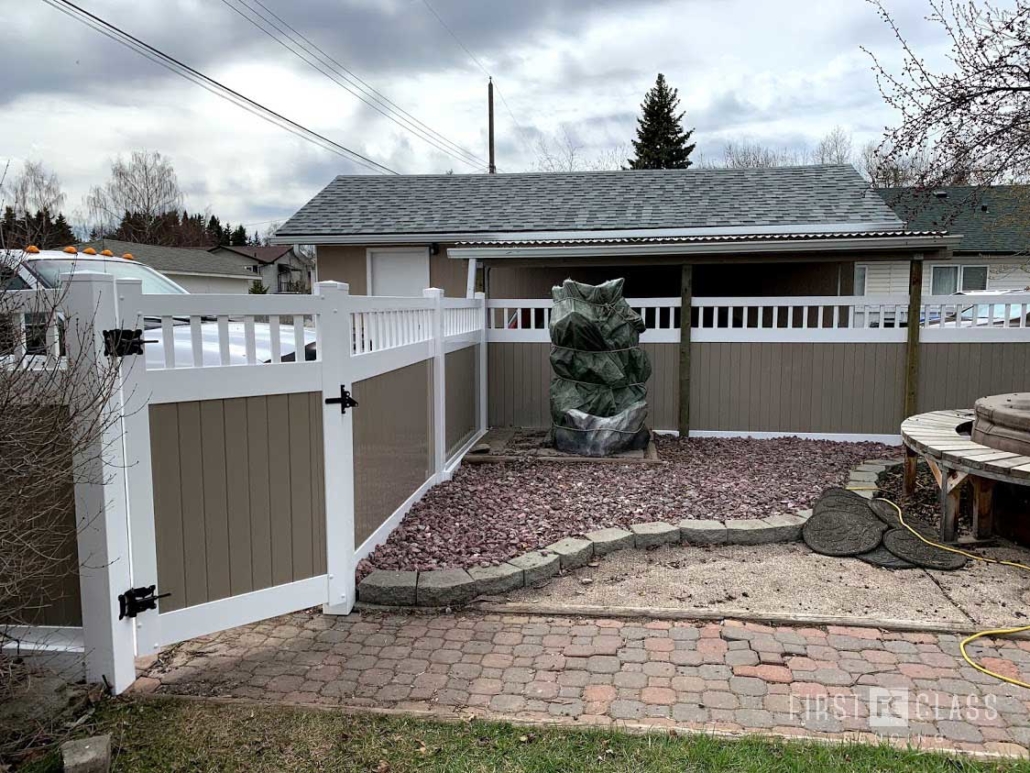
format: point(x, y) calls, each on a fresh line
point(661, 142)
point(239, 237)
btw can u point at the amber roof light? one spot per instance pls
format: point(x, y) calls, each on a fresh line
point(107, 253)
point(70, 250)
point(89, 251)
point(32, 249)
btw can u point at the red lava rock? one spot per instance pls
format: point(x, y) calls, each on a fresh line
point(489, 513)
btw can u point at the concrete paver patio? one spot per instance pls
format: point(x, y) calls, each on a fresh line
point(729, 676)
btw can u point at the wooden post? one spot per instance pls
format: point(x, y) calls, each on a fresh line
point(686, 299)
point(915, 292)
point(911, 468)
point(983, 507)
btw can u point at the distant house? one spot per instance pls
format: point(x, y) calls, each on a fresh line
point(993, 253)
point(196, 270)
point(745, 232)
point(281, 268)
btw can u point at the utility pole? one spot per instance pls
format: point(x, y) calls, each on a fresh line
point(490, 104)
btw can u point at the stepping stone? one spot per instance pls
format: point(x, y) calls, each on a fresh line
point(882, 557)
point(537, 566)
point(572, 552)
point(389, 588)
point(907, 546)
point(492, 580)
point(696, 531)
point(649, 535)
point(609, 540)
point(444, 588)
point(843, 531)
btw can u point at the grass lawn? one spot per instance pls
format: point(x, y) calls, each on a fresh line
point(180, 736)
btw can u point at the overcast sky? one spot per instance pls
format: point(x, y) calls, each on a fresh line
point(782, 72)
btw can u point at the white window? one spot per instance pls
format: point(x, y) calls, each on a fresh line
point(947, 280)
point(861, 273)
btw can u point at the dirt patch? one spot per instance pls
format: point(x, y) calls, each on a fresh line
point(489, 513)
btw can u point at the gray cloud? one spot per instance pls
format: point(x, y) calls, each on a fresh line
point(781, 73)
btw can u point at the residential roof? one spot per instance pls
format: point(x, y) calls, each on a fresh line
point(178, 260)
point(738, 199)
point(259, 253)
point(777, 237)
point(993, 220)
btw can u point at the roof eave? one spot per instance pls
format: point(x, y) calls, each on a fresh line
point(624, 233)
point(908, 243)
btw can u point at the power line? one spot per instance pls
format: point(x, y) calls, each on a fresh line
point(480, 65)
point(210, 84)
point(375, 93)
point(303, 48)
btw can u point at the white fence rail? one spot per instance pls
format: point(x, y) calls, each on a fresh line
point(839, 319)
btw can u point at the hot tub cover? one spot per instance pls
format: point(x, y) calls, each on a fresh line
point(598, 392)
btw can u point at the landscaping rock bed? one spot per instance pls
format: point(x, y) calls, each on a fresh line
point(493, 520)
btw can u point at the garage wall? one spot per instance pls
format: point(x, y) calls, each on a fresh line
point(211, 284)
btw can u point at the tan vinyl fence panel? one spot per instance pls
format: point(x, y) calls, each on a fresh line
point(954, 375)
point(393, 454)
point(462, 401)
point(519, 381)
point(797, 387)
point(238, 495)
point(756, 387)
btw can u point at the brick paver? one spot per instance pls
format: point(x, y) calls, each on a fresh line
point(730, 676)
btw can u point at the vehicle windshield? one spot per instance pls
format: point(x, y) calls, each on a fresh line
point(49, 271)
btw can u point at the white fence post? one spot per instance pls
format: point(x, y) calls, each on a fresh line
point(335, 344)
point(439, 385)
point(483, 362)
point(101, 511)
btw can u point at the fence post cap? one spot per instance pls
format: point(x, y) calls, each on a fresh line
point(432, 292)
point(331, 286)
point(479, 296)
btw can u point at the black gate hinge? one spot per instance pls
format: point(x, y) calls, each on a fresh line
point(136, 600)
point(345, 400)
point(122, 343)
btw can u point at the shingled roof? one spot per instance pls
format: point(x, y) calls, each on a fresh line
point(739, 199)
point(178, 260)
point(993, 220)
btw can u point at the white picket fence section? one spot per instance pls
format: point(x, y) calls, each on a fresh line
point(830, 319)
point(211, 347)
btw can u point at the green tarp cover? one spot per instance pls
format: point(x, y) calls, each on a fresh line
point(599, 370)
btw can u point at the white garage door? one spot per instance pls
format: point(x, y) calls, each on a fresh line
point(398, 272)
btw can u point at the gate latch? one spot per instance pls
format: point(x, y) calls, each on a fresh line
point(345, 401)
point(122, 343)
point(136, 600)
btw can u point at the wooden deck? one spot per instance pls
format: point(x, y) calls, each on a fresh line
point(942, 438)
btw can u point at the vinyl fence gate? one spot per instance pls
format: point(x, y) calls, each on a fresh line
point(243, 489)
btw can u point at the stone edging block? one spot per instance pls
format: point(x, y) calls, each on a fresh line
point(609, 540)
point(447, 587)
point(537, 566)
point(572, 552)
point(648, 535)
point(444, 588)
point(389, 588)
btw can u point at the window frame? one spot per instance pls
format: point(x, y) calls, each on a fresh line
point(960, 276)
point(864, 267)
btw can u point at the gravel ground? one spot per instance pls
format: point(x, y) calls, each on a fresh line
point(489, 513)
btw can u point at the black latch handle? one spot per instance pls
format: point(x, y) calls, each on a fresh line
point(136, 600)
point(345, 400)
point(122, 343)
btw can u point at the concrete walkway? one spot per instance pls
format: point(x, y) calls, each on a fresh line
point(730, 676)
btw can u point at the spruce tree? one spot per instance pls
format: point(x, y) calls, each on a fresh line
point(661, 142)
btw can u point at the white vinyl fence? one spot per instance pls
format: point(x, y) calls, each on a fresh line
point(231, 476)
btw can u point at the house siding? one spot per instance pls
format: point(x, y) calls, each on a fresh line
point(892, 278)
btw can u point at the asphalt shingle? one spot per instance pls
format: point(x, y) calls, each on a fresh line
point(178, 259)
point(591, 201)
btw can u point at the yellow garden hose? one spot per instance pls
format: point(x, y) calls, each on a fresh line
point(981, 634)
